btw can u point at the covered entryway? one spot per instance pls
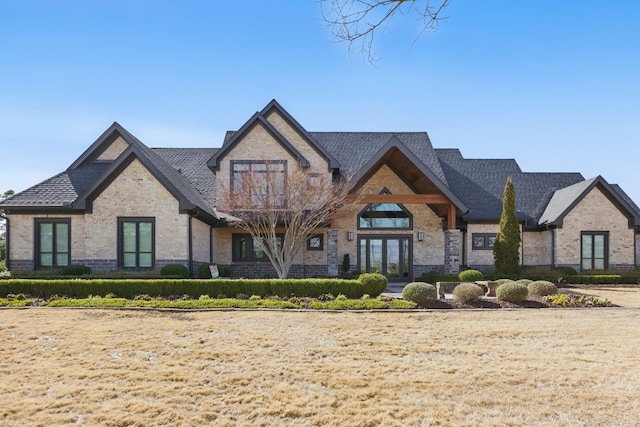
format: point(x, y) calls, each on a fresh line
point(389, 255)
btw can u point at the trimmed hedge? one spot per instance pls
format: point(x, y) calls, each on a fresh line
point(419, 292)
point(371, 284)
point(470, 276)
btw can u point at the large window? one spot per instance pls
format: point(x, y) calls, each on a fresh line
point(136, 242)
point(595, 249)
point(53, 242)
point(384, 216)
point(260, 182)
point(245, 248)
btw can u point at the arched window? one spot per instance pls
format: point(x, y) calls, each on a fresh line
point(385, 216)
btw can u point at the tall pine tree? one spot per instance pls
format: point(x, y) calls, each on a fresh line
point(506, 249)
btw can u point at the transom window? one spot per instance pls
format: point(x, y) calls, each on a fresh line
point(245, 248)
point(136, 242)
point(385, 216)
point(262, 182)
point(595, 249)
point(53, 242)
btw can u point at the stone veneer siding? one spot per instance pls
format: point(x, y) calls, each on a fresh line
point(452, 249)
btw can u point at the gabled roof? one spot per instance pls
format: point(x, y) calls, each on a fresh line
point(565, 199)
point(480, 185)
point(353, 149)
point(407, 165)
point(255, 120)
point(306, 136)
point(86, 178)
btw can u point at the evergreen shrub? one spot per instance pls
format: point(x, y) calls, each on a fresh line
point(419, 292)
point(470, 276)
point(512, 292)
point(76, 270)
point(467, 292)
point(175, 270)
point(542, 288)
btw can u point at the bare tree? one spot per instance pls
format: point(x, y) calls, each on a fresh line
point(356, 22)
point(280, 208)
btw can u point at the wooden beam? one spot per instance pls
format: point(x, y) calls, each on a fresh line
point(407, 199)
point(451, 218)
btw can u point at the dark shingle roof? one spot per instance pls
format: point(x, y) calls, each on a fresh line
point(192, 164)
point(354, 149)
point(480, 184)
point(60, 190)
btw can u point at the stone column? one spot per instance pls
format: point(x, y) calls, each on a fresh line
point(332, 253)
point(452, 251)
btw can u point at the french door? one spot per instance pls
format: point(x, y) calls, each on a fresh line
point(388, 255)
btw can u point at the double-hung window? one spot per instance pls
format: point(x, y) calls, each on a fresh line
point(136, 242)
point(52, 242)
point(258, 183)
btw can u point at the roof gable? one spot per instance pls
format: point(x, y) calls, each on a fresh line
point(566, 199)
point(102, 144)
point(274, 107)
point(256, 120)
point(407, 166)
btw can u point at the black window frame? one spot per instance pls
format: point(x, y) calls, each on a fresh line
point(121, 253)
point(251, 163)
point(37, 254)
point(236, 239)
point(316, 248)
point(592, 234)
point(486, 241)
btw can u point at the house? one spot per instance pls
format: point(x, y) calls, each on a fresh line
point(123, 205)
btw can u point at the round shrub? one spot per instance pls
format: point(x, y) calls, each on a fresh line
point(467, 292)
point(419, 292)
point(204, 272)
point(512, 292)
point(542, 288)
point(470, 276)
point(176, 270)
point(373, 283)
point(76, 270)
point(524, 281)
point(503, 281)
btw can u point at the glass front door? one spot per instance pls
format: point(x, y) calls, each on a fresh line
point(389, 256)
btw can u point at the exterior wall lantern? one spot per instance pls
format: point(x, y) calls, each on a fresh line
point(421, 235)
point(349, 235)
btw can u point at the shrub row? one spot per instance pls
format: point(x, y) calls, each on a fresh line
point(371, 284)
point(630, 277)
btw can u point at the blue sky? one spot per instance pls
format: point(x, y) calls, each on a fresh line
point(555, 85)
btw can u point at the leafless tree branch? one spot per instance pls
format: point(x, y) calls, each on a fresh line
point(357, 22)
point(281, 212)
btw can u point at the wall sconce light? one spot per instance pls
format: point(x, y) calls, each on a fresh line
point(349, 235)
point(421, 235)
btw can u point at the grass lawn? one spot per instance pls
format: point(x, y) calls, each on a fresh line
point(569, 367)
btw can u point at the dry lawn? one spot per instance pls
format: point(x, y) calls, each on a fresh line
point(568, 367)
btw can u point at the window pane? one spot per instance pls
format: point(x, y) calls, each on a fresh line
point(375, 256)
point(46, 238)
point(598, 246)
point(598, 264)
point(363, 255)
point(145, 236)
point(46, 259)
point(129, 237)
point(587, 249)
point(62, 238)
point(384, 215)
point(129, 260)
point(62, 259)
point(145, 260)
point(258, 253)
